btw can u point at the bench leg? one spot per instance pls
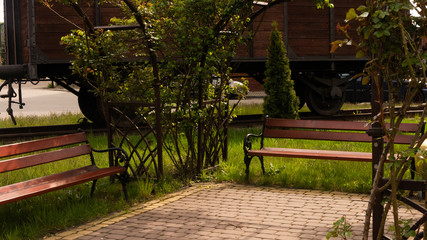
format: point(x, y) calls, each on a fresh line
point(125, 191)
point(93, 187)
point(124, 179)
point(261, 160)
point(247, 163)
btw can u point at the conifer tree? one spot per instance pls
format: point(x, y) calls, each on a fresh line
point(281, 100)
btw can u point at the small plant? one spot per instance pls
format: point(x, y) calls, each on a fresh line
point(405, 225)
point(145, 188)
point(205, 176)
point(272, 170)
point(51, 85)
point(341, 229)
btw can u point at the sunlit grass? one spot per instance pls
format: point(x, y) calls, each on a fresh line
point(52, 119)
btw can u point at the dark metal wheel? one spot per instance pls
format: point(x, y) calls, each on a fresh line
point(322, 104)
point(419, 236)
point(419, 98)
point(89, 104)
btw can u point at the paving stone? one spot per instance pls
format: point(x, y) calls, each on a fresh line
point(231, 211)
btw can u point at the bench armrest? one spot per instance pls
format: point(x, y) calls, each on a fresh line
point(247, 144)
point(121, 156)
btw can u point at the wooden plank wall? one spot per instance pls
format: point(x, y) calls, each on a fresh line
point(24, 31)
point(308, 29)
point(50, 27)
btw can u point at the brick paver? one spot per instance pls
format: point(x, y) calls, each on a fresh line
point(231, 211)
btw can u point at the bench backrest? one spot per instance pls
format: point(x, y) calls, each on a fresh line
point(345, 130)
point(73, 145)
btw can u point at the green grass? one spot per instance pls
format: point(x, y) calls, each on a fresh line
point(52, 119)
point(36, 217)
point(248, 109)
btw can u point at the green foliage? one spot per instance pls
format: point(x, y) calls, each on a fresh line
point(341, 229)
point(99, 58)
point(171, 60)
point(281, 100)
point(406, 225)
point(394, 42)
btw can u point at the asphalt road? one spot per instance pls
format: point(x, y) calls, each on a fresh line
point(40, 100)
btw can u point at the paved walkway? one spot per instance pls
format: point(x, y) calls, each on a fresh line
point(231, 211)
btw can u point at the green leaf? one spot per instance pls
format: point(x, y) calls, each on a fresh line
point(360, 54)
point(378, 25)
point(378, 34)
point(361, 8)
point(366, 34)
point(410, 234)
point(387, 32)
point(351, 14)
point(365, 80)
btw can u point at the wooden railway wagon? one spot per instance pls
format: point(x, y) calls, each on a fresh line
point(321, 77)
point(33, 50)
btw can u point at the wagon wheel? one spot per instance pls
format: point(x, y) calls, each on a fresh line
point(419, 98)
point(323, 105)
point(89, 105)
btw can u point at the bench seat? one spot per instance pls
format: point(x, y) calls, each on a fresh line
point(323, 130)
point(54, 149)
point(41, 185)
point(312, 154)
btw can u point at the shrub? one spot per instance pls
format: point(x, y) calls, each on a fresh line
point(281, 100)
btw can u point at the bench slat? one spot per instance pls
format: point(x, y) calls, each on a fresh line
point(317, 135)
point(329, 136)
point(42, 144)
point(313, 154)
point(33, 160)
point(316, 124)
point(34, 187)
point(331, 125)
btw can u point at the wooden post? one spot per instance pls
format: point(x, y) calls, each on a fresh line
point(377, 134)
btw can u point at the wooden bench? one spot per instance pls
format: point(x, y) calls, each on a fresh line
point(32, 153)
point(316, 130)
